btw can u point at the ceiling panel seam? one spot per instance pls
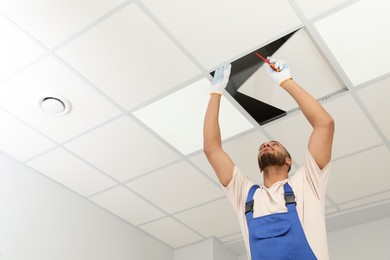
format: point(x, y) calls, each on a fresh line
point(25, 32)
point(357, 152)
point(193, 243)
point(333, 204)
point(199, 205)
point(88, 199)
point(62, 144)
point(49, 51)
point(365, 197)
point(93, 24)
point(124, 220)
point(224, 141)
point(152, 171)
point(370, 119)
point(372, 81)
point(45, 54)
point(32, 128)
point(89, 83)
point(356, 208)
point(25, 67)
point(112, 119)
point(329, 12)
point(103, 190)
point(90, 164)
point(177, 152)
point(166, 93)
point(323, 47)
point(152, 221)
point(162, 210)
point(231, 234)
point(170, 36)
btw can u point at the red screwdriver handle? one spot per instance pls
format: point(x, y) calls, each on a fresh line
point(267, 61)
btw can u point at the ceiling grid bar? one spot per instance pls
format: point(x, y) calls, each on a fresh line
point(165, 212)
point(171, 36)
point(308, 24)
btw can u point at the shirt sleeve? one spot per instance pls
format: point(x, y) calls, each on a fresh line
point(316, 178)
point(237, 189)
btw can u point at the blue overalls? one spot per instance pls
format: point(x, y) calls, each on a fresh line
point(277, 236)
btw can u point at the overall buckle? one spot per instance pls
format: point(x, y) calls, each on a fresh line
point(290, 198)
point(249, 206)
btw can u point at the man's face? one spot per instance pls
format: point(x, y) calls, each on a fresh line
point(271, 153)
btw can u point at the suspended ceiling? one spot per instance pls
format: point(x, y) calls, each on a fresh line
point(137, 75)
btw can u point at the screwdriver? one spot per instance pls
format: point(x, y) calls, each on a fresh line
point(267, 61)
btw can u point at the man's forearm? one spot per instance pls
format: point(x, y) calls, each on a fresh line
point(311, 108)
point(211, 130)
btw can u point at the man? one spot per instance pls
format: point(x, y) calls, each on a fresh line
point(275, 224)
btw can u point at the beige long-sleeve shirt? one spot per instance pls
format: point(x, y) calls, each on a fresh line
point(309, 185)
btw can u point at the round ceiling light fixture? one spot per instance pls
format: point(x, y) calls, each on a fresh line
point(55, 105)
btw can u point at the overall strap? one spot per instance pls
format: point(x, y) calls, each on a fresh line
point(289, 197)
point(249, 199)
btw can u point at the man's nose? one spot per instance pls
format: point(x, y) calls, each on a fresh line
point(265, 145)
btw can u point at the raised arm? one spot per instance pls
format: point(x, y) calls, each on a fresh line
point(321, 139)
point(219, 160)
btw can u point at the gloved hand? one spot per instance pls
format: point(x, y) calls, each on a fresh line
point(221, 78)
point(281, 76)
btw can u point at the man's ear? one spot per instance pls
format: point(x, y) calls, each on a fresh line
point(288, 162)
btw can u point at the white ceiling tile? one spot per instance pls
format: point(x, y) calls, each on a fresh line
point(22, 94)
point(368, 200)
point(20, 141)
point(207, 219)
point(307, 65)
point(363, 173)
point(163, 230)
point(176, 187)
point(356, 40)
point(16, 48)
point(67, 169)
point(122, 149)
point(53, 21)
point(178, 118)
point(226, 28)
point(293, 133)
point(129, 58)
point(200, 160)
point(376, 99)
point(328, 203)
point(243, 151)
point(128, 206)
point(230, 238)
point(311, 8)
point(350, 125)
point(330, 210)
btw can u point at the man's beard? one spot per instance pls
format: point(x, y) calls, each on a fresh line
point(269, 159)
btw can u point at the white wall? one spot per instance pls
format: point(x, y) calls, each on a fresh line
point(210, 249)
point(42, 220)
point(362, 242)
point(221, 253)
point(242, 257)
point(202, 250)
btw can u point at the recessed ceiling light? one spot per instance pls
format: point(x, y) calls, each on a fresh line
point(55, 105)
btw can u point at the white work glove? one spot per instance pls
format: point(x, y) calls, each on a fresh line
point(279, 76)
point(220, 80)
